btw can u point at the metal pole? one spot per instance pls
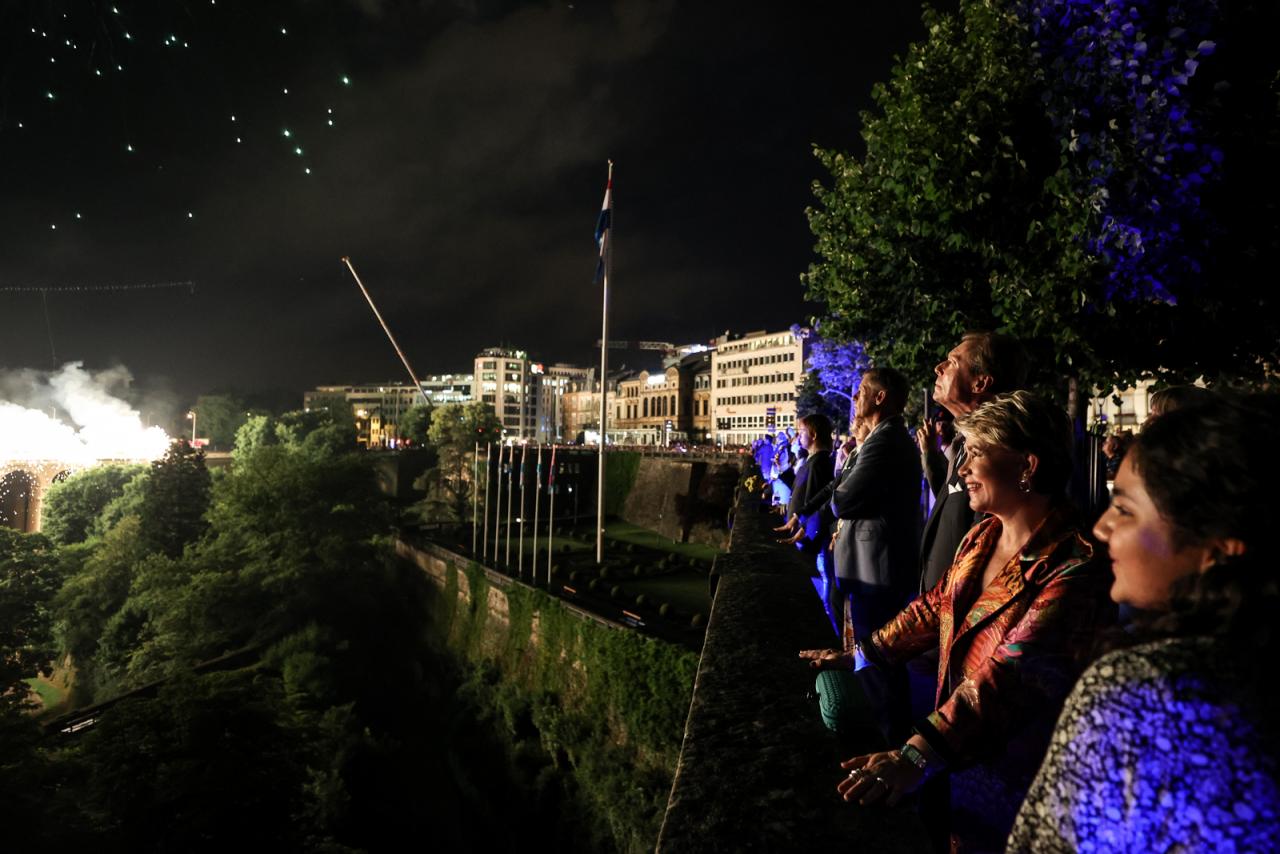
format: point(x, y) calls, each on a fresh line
point(475, 498)
point(524, 452)
point(551, 513)
point(537, 496)
point(607, 249)
point(497, 507)
point(488, 453)
point(511, 466)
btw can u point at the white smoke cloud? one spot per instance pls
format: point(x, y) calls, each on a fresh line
point(98, 425)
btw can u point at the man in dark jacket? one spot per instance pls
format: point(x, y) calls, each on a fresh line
point(876, 507)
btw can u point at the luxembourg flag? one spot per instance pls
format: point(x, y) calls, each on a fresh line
point(602, 226)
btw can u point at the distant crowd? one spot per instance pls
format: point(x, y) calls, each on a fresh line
point(1043, 673)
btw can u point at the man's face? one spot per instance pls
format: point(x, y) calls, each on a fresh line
point(953, 387)
point(864, 402)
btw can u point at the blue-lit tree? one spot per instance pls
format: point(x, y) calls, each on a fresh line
point(833, 371)
point(1071, 173)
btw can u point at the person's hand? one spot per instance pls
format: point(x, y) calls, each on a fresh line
point(795, 538)
point(789, 525)
point(927, 436)
point(828, 659)
point(876, 777)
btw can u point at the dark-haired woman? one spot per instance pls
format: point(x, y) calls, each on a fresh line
point(1169, 743)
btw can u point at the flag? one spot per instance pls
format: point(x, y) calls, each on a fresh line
point(602, 226)
point(551, 477)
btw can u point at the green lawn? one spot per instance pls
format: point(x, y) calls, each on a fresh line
point(50, 695)
point(629, 533)
point(686, 591)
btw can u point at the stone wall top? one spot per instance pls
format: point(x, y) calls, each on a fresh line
point(758, 770)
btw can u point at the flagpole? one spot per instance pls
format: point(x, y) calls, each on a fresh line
point(524, 452)
point(511, 470)
point(551, 513)
point(497, 507)
point(488, 454)
point(537, 496)
point(475, 499)
point(606, 253)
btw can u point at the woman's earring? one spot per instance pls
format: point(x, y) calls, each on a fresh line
point(1024, 485)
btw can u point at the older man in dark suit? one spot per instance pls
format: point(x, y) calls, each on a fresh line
point(876, 507)
point(981, 366)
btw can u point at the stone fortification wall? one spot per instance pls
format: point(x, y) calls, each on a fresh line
point(687, 501)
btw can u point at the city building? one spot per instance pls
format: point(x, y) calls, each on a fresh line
point(753, 385)
point(504, 379)
point(559, 394)
point(376, 409)
point(668, 405)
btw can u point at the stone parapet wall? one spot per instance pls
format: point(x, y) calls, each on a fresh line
point(757, 769)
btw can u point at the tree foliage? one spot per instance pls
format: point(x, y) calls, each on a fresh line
point(316, 433)
point(416, 422)
point(219, 416)
point(175, 496)
point(1045, 169)
point(73, 505)
point(455, 431)
point(834, 371)
point(28, 581)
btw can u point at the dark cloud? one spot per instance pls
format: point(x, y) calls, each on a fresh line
point(463, 174)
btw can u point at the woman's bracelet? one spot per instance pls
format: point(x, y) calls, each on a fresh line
point(917, 758)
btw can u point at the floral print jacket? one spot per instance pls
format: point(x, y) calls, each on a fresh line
point(1008, 654)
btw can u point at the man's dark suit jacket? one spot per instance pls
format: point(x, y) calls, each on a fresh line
point(950, 520)
point(878, 502)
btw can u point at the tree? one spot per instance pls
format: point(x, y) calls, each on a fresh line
point(455, 430)
point(834, 371)
point(174, 499)
point(1014, 178)
point(416, 422)
point(28, 581)
point(219, 416)
point(315, 432)
point(257, 431)
point(73, 505)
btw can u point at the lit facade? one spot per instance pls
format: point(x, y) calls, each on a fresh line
point(753, 385)
point(671, 405)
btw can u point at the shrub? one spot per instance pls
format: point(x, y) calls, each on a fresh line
point(616, 592)
point(697, 620)
point(594, 584)
point(575, 575)
point(664, 610)
point(642, 601)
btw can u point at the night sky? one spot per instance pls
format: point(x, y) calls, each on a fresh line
point(462, 172)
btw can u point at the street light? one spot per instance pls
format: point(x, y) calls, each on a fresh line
point(191, 416)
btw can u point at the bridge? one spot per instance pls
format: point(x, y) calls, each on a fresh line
point(23, 484)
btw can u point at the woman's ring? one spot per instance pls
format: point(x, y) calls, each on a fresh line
point(857, 773)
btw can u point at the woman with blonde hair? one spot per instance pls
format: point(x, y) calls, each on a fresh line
point(1011, 619)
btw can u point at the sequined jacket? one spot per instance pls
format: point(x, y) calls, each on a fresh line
point(1009, 654)
point(1161, 747)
